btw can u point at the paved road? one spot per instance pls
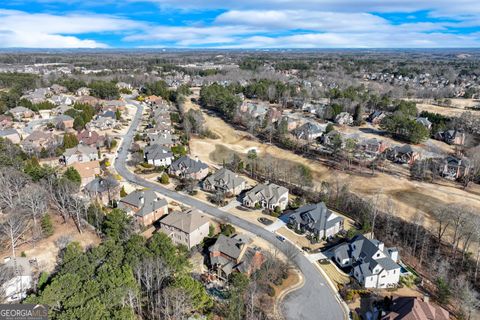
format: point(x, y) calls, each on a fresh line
point(314, 301)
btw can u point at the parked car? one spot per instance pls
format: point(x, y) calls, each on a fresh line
point(281, 238)
point(265, 221)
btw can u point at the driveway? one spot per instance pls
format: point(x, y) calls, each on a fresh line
point(313, 301)
point(275, 226)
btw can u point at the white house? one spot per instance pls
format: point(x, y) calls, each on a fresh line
point(268, 196)
point(79, 153)
point(157, 155)
point(19, 278)
point(373, 265)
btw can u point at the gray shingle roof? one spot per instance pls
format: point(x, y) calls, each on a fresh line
point(151, 202)
point(231, 247)
point(156, 151)
point(315, 217)
point(100, 185)
point(225, 178)
point(188, 165)
point(271, 193)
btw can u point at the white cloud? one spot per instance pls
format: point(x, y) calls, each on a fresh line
point(21, 29)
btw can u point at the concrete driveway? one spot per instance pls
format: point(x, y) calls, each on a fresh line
point(313, 301)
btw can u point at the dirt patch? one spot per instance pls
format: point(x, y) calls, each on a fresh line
point(46, 251)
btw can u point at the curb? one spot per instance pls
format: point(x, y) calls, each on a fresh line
point(281, 296)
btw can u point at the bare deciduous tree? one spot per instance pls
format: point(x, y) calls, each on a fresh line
point(13, 229)
point(35, 201)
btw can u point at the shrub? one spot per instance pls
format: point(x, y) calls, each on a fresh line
point(47, 225)
point(164, 179)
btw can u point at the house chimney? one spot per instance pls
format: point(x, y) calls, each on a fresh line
point(426, 298)
point(196, 158)
point(142, 200)
point(89, 134)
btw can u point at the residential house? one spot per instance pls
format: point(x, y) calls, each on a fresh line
point(154, 100)
point(373, 265)
point(157, 155)
point(103, 190)
point(224, 181)
point(61, 109)
point(20, 113)
point(316, 219)
point(108, 114)
point(454, 168)
point(39, 140)
point(414, 308)
point(268, 196)
point(332, 138)
point(83, 91)
point(92, 101)
point(6, 121)
point(402, 154)
point(187, 228)
point(376, 117)
point(232, 254)
point(344, 118)
point(186, 167)
point(88, 171)
point(162, 138)
point(255, 110)
point(62, 99)
point(64, 122)
point(91, 138)
point(372, 147)
point(37, 96)
point(17, 277)
point(79, 153)
point(10, 134)
point(58, 89)
point(102, 123)
point(424, 122)
point(455, 137)
point(123, 85)
point(145, 205)
point(309, 131)
point(293, 121)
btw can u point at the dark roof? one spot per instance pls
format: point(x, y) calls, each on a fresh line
point(315, 217)
point(100, 185)
point(231, 247)
point(188, 165)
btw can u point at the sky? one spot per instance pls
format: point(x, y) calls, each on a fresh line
point(239, 24)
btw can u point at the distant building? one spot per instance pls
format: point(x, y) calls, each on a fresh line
point(372, 147)
point(10, 134)
point(454, 137)
point(402, 154)
point(188, 228)
point(91, 138)
point(376, 117)
point(424, 122)
point(454, 168)
point(20, 113)
point(344, 118)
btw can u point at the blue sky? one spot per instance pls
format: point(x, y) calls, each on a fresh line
point(240, 24)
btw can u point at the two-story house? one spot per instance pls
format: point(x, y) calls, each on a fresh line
point(373, 265)
point(315, 219)
point(188, 228)
point(186, 167)
point(225, 181)
point(79, 153)
point(145, 205)
point(158, 155)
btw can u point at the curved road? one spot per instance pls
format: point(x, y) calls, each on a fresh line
point(315, 300)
